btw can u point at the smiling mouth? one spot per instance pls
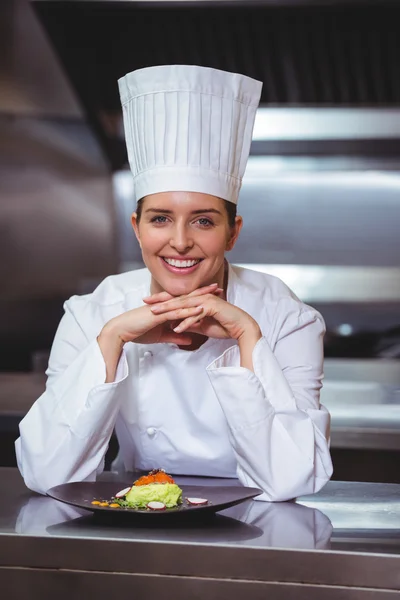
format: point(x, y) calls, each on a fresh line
point(181, 264)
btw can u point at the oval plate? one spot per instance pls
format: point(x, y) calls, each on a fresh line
point(81, 494)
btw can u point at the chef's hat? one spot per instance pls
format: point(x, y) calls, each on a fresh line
point(188, 128)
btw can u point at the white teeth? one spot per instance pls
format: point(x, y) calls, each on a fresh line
point(181, 263)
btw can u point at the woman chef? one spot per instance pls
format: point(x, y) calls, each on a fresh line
point(202, 368)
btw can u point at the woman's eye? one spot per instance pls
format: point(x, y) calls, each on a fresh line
point(204, 222)
point(159, 219)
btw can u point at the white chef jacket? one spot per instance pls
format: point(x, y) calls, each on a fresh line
point(189, 412)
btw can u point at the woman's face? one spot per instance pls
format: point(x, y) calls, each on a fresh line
point(183, 237)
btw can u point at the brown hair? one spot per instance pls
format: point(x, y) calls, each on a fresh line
point(230, 207)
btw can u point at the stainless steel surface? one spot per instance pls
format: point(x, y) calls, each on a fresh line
point(39, 583)
point(319, 218)
point(56, 204)
point(56, 210)
point(363, 397)
point(359, 507)
point(326, 123)
point(31, 80)
point(354, 436)
point(327, 283)
point(346, 537)
point(382, 371)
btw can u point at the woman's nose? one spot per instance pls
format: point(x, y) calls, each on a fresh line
point(181, 239)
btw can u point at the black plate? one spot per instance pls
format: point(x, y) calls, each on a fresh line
point(219, 498)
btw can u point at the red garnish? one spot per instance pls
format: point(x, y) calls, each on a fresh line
point(156, 476)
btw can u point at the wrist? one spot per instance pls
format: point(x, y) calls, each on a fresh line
point(111, 336)
point(247, 342)
point(250, 335)
point(111, 345)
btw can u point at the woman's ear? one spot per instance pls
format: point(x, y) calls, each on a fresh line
point(135, 227)
point(234, 233)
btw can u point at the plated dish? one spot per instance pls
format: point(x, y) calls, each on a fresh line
point(155, 495)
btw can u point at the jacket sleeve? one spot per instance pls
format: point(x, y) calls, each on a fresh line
point(65, 435)
point(278, 429)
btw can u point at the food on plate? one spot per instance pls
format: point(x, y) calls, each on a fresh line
point(122, 493)
point(155, 491)
point(155, 476)
point(197, 501)
point(156, 506)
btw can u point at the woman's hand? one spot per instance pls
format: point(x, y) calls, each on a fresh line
point(143, 326)
point(215, 318)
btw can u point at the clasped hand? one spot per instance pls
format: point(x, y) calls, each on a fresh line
point(168, 319)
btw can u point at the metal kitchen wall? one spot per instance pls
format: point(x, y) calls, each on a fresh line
point(57, 224)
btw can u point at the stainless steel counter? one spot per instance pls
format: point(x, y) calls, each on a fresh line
point(363, 397)
point(341, 543)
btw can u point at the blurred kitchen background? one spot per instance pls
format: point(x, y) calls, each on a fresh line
point(320, 199)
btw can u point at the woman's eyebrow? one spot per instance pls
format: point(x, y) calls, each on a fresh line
point(206, 210)
point(193, 212)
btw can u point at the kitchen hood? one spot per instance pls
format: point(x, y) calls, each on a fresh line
point(318, 54)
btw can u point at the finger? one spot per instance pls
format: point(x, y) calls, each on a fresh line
point(160, 297)
point(206, 289)
point(209, 289)
point(186, 323)
point(179, 314)
point(164, 296)
point(155, 299)
point(175, 304)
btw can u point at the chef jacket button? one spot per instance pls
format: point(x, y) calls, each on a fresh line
point(151, 431)
point(148, 354)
